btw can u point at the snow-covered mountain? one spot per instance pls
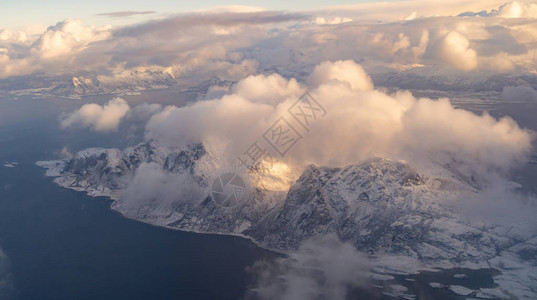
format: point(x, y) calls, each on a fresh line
point(439, 79)
point(106, 172)
point(203, 88)
point(420, 78)
point(134, 81)
point(380, 206)
point(84, 83)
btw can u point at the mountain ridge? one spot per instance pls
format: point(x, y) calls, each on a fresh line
point(380, 206)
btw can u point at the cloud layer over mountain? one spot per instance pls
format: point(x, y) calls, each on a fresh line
point(360, 122)
point(504, 41)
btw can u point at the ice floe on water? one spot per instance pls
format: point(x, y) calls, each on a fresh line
point(460, 290)
point(11, 164)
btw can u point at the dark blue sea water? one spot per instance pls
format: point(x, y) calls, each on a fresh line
point(62, 244)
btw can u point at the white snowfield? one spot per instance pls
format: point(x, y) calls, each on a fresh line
point(382, 207)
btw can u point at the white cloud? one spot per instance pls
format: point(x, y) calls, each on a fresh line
point(54, 49)
point(69, 37)
point(389, 46)
point(334, 21)
point(234, 41)
point(99, 118)
point(455, 50)
point(266, 89)
point(343, 71)
point(7, 35)
point(509, 10)
point(359, 124)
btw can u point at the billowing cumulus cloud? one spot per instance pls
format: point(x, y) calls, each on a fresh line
point(99, 118)
point(56, 48)
point(511, 10)
point(68, 37)
point(359, 124)
point(342, 71)
point(243, 40)
point(7, 35)
point(266, 89)
point(454, 49)
point(518, 9)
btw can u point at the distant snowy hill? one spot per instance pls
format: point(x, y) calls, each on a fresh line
point(419, 78)
point(85, 83)
point(133, 81)
point(439, 79)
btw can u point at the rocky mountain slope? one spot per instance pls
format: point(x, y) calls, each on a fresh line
point(380, 206)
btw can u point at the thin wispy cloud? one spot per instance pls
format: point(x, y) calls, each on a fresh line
point(124, 14)
point(183, 21)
